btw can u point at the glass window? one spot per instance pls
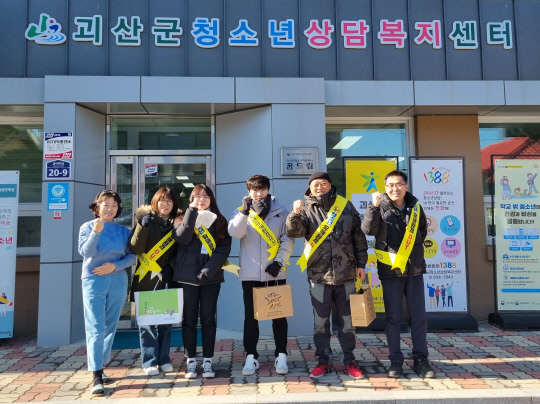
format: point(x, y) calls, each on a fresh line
point(518, 140)
point(29, 231)
point(161, 134)
point(21, 148)
point(358, 140)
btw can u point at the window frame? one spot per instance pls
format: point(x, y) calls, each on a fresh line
point(410, 144)
point(27, 209)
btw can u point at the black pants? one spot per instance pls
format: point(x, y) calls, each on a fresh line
point(251, 326)
point(201, 299)
point(393, 291)
point(323, 299)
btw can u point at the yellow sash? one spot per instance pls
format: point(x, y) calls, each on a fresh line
point(210, 245)
point(400, 259)
point(148, 260)
point(322, 231)
point(255, 221)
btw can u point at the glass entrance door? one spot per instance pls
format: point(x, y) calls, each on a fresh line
point(137, 178)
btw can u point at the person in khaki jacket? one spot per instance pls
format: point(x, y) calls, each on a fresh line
point(256, 266)
point(331, 226)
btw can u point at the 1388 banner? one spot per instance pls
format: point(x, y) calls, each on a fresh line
point(438, 185)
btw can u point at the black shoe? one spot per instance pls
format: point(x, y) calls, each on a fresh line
point(421, 366)
point(396, 370)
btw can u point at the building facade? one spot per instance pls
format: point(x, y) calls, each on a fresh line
point(185, 92)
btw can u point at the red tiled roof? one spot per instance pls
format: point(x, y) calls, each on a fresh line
point(516, 147)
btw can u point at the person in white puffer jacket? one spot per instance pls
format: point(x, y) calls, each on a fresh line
point(256, 268)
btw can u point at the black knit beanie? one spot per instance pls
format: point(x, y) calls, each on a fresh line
point(320, 175)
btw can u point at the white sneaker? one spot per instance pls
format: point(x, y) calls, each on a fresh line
point(281, 364)
point(191, 370)
point(166, 368)
point(250, 366)
point(151, 371)
point(207, 370)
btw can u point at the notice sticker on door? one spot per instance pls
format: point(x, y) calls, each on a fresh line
point(57, 214)
point(150, 170)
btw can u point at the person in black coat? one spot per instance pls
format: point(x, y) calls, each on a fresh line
point(152, 223)
point(203, 248)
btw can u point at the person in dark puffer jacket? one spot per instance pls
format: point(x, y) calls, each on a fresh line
point(332, 269)
point(152, 223)
point(201, 274)
point(387, 218)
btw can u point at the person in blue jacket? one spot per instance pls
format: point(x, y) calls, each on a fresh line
point(104, 247)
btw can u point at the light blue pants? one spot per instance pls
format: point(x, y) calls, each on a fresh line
point(103, 299)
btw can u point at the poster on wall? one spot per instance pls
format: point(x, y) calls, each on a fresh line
point(516, 205)
point(362, 178)
point(9, 212)
point(58, 155)
point(439, 187)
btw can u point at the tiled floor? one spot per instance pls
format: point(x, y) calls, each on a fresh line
point(488, 359)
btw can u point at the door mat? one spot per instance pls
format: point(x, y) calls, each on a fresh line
point(129, 339)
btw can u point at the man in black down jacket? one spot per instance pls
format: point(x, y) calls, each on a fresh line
point(332, 268)
point(387, 218)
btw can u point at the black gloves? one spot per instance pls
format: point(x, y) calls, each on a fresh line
point(146, 220)
point(167, 273)
point(246, 205)
point(273, 269)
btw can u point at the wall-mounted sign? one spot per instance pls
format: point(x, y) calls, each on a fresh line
point(57, 195)
point(58, 145)
point(9, 205)
point(281, 34)
point(299, 160)
point(58, 169)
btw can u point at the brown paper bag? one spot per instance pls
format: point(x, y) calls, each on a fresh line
point(362, 308)
point(272, 302)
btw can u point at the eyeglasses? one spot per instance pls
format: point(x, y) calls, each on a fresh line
point(202, 197)
point(319, 184)
point(166, 201)
point(397, 185)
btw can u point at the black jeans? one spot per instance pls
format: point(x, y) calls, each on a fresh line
point(201, 299)
point(393, 291)
point(251, 326)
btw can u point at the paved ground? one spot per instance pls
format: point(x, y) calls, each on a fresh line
point(489, 360)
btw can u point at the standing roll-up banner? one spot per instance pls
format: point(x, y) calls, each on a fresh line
point(516, 204)
point(439, 185)
point(363, 176)
point(9, 212)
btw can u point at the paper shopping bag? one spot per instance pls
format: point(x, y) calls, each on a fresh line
point(270, 302)
point(159, 306)
point(362, 308)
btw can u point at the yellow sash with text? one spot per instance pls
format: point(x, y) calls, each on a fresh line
point(399, 260)
point(255, 221)
point(210, 244)
point(148, 260)
point(322, 231)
